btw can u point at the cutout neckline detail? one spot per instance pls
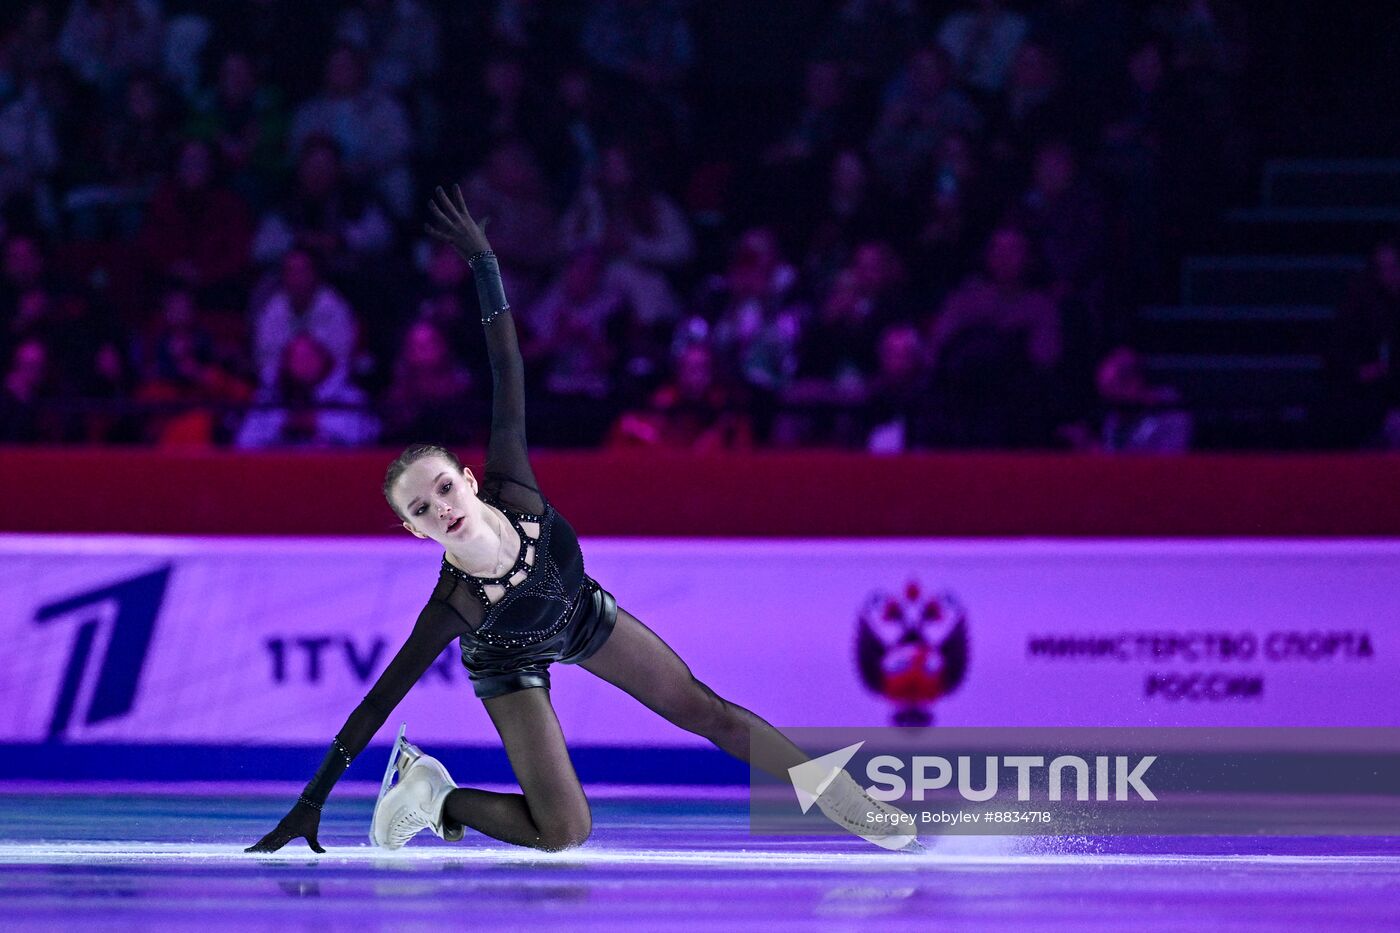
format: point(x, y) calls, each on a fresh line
point(525, 543)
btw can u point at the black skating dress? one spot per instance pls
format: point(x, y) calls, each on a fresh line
point(511, 628)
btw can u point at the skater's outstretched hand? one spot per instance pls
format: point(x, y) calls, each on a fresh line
point(455, 225)
point(303, 820)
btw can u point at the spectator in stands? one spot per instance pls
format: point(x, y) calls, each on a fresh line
point(23, 273)
point(1030, 110)
point(1139, 417)
point(1002, 299)
point(134, 148)
point(646, 41)
point(109, 382)
point(243, 117)
point(575, 126)
point(836, 353)
point(106, 41)
point(27, 385)
point(398, 37)
point(1065, 218)
point(881, 280)
point(896, 394)
point(823, 123)
point(956, 219)
point(695, 411)
point(369, 126)
point(852, 212)
point(754, 318)
point(441, 301)
point(338, 222)
point(1132, 146)
point(430, 391)
point(511, 190)
point(569, 333)
point(1134, 116)
point(921, 108)
point(33, 305)
point(993, 347)
point(872, 37)
point(983, 42)
point(508, 109)
point(308, 404)
point(197, 231)
point(1361, 360)
point(919, 137)
point(837, 347)
point(639, 229)
point(29, 149)
point(304, 303)
point(184, 380)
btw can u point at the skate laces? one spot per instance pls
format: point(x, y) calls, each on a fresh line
point(412, 816)
point(406, 825)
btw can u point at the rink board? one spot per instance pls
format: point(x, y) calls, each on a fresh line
point(216, 645)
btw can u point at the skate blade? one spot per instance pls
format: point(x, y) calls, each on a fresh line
point(389, 771)
point(901, 843)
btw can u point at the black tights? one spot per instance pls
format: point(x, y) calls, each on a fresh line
point(552, 812)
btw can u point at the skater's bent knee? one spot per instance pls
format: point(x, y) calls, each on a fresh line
point(569, 835)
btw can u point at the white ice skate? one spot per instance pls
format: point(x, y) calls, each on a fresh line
point(847, 804)
point(413, 803)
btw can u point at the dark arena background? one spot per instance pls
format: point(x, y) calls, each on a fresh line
point(903, 364)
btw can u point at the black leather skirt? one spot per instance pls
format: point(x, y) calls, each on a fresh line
point(497, 671)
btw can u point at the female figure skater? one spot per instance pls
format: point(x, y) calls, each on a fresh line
point(512, 589)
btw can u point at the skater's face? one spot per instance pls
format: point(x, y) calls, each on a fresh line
point(437, 501)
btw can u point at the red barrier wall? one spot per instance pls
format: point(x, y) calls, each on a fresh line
point(772, 494)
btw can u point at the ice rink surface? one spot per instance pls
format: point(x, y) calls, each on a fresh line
point(140, 860)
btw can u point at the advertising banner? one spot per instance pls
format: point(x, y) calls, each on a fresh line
point(136, 640)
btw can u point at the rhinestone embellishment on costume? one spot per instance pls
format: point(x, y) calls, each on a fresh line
point(542, 580)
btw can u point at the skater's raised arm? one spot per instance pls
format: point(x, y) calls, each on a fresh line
point(507, 457)
point(437, 625)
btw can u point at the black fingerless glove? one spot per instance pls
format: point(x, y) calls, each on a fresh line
point(302, 821)
point(490, 290)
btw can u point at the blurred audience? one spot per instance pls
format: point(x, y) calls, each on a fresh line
point(340, 224)
point(308, 404)
point(28, 382)
point(304, 302)
point(1138, 417)
point(197, 231)
point(695, 410)
point(244, 118)
point(430, 390)
point(1361, 360)
point(994, 348)
point(368, 124)
point(877, 224)
point(982, 42)
point(641, 231)
point(190, 390)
